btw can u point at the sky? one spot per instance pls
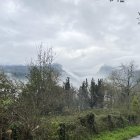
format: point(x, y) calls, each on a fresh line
point(84, 34)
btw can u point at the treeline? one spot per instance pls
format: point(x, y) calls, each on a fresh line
point(24, 105)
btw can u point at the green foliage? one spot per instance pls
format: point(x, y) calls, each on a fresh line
point(84, 95)
point(96, 94)
point(135, 105)
point(120, 134)
point(6, 103)
point(42, 109)
point(83, 125)
point(93, 96)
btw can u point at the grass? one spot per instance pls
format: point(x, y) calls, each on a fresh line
point(119, 134)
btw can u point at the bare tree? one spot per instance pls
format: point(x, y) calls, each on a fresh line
point(125, 80)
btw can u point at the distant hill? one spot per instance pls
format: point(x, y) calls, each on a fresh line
point(15, 71)
point(105, 70)
point(19, 72)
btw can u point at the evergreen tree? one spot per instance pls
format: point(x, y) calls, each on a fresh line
point(68, 93)
point(84, 95)
point(93, 96)
point(100, 93)
point(67, 84)
point(96, 93)
point(7, 101)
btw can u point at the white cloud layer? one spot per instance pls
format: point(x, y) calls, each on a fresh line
point(84, 33)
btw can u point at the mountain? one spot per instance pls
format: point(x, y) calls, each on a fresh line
point(15, 71)
point(19, 72)
point(105, 70)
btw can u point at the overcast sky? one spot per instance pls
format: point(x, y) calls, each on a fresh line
point(85, 34)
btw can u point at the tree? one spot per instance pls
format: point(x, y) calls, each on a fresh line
point(135, 105)
point(43, 81)
point(41, 94)
point(109, 94)
point(67, 84)
point(124, 78)
point(70, 94)
point(93, 96)
point(84, 95)
point(100, 93)
point(7, 100)
point(96, 93)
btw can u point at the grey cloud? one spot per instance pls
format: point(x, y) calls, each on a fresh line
point(85, 33)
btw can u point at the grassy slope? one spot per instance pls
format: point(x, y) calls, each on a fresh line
point(120, 134)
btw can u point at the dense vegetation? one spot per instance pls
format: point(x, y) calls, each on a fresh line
point(43, 109)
